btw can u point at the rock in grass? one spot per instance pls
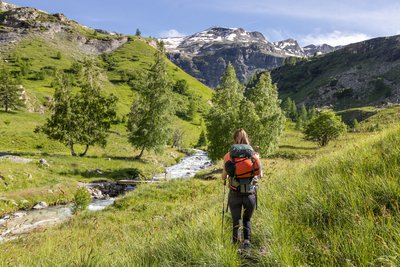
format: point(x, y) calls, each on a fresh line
point(41, 205)
point(44, 163)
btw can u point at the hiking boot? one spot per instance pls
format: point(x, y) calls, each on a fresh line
point(246, 248)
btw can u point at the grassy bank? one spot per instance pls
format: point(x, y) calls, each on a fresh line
point(341, 210)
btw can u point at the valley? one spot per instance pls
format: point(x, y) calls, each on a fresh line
point(134, 200)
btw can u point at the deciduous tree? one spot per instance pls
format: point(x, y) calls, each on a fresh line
point(324, 128)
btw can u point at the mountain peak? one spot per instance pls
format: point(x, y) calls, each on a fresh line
point(4, 6)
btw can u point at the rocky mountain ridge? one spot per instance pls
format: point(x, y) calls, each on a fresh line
point(17, 23)
point(357, 75)
point(206, 54)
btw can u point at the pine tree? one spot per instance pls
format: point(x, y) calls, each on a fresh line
point(312, 113)
point(293, 111)
point(149, 119)
point(303, 116)
point(287, 107)
point(267, 119)
point(138, 32)
point(10, 93)
point(224, 117)
point(355, 125)
point(202, 139)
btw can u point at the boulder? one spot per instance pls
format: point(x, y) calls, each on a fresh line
point(41, 205)
point(44, 163)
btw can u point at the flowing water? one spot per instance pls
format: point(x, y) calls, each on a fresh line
point(22, 222)
point(187, 168)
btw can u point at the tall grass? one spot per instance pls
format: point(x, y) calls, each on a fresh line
point(172, 224)
point(344, 210)
point(339, 210)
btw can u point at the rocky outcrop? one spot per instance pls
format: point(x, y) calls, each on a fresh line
point(20, 22)
point(106, 189)
point(99, 46)
point(209, 65)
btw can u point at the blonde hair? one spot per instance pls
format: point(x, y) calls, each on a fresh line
point(241, 137)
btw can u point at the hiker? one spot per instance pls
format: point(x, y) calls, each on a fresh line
point(242, 167)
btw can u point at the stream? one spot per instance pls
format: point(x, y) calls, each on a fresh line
point(21, 223)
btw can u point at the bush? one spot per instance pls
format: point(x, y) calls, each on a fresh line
point(181, 87)
point(324, 128)
point(82, 199)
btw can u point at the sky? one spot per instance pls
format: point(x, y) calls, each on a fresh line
point(335, 22)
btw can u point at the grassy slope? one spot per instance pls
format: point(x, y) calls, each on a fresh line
point(311, 80)
point(341, 208)
point(21, 183)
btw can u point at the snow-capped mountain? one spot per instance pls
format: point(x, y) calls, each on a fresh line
point(206, 54)
point(197, 42)
point(290, 47)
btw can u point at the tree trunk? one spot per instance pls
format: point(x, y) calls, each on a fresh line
point(84, 152)
point(141, 154)
point(71, 147)
point(6, 107)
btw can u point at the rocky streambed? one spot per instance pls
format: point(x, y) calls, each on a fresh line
point(104, 194)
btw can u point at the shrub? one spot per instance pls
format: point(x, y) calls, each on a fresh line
point(324, 128)
point(82, 199)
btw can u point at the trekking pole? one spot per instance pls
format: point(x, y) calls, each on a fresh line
point(223, 210)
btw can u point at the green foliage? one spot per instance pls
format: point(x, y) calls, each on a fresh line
point(193, 107)
point(202, 142)
point(149, 119)
point(266, 119)
point(290, 109)
point(10, 92)
point(344, 93)
point(138, 32)
point(83, 118)
point(24, 66)
point(292, 60)
point(76, 67)
point(258, 111)
point(224, 116)
point(355, 125)
point(324, 128)
point(82, 200)
point(181, 87)
point(109, 62)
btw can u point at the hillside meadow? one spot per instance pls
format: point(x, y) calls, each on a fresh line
point(329, 206)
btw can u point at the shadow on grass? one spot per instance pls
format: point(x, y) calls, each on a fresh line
point(120, 174)
point(210, 174)
point(45, 154)
point(299, 147)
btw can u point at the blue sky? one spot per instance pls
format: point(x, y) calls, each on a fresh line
point(309, 21)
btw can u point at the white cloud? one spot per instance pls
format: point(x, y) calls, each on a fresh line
point(334, 38)
point(171, 33)
point(377, 17)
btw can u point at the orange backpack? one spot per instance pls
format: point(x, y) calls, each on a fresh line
point(243, 164)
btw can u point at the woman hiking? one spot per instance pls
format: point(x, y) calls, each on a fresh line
point(242, 167)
